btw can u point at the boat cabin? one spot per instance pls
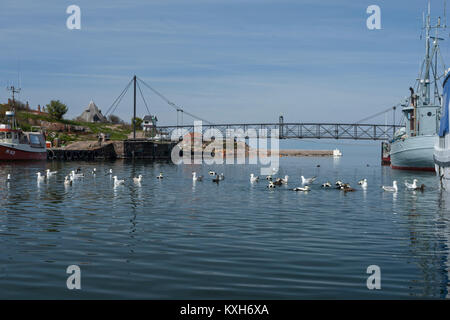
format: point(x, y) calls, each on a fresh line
point(13, 137)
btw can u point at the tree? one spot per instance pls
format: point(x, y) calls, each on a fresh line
point(56, 109)
point(114, 119)
point(138, 122)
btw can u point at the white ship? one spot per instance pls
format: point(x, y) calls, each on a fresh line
point(442, 148)
point(412, 147)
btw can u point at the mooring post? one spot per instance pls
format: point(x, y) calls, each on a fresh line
point(134, 111)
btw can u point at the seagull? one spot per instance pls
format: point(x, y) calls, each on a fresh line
point(308, 181)
point(326, 185)
point(303, 189)
point(50, 173)
point(363, 183)
point(412, 186)
point(221, 177)
point(76, 175)
point(40, 177)
point(109, 172)
point(394, 187)
point(118, 182)
point(68, 180)
point(138, 179)
point(253, 178)
point(285, 180)
point(212, 173)
point(94, 171)
point(160, 176)
point(195, 177)
point(8, 178)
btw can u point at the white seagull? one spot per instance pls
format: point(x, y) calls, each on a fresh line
point(394, 187)
point(76, 175)
point(304, 189)
point(195, 177)
point(221, 177)
point(117, 181)
point(50, 173)
point(412, 186)
point(308, 181)
point(363, 183)
point(8, 178)
point(94, 171)
point(253, 178)
point(285, 180)
point(40, 177)
point(138, 179)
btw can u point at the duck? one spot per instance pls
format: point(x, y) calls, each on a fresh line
point(68, 181)
point(363, 183)
point(117, 181)
point(216, 179)
point(195, 177)
point(253, 178)
point(326, 185)
point(160, 176)
point(346, 188)
point(94, 171)
point(40, 177)
point(269, 177)
point(392, 188)
point(138, 179)
point(221, 177)
point(212, 173)
point(338, 183)
point(50, 173)
point(8, 178)
point(271, 185)
point(302, 189)
point(308, 180)
point(411, 186)
point(277, 182)
point(421, 188)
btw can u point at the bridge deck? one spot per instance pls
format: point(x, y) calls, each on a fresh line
point(295, 130)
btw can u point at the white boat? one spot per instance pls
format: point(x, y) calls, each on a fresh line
point(412, 147)
point(442, 147)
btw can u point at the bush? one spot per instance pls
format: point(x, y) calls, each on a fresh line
point(114, 119)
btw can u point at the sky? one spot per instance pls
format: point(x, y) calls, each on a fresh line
point(227, 61)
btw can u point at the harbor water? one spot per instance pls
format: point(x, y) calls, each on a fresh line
point(176, 239)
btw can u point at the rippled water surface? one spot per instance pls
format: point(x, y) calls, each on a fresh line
point(173, 239)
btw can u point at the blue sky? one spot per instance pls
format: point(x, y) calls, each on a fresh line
point(225, 60)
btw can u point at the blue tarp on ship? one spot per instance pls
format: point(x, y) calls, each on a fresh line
point(443, 126)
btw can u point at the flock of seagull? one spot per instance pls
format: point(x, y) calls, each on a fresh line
point(273, 182)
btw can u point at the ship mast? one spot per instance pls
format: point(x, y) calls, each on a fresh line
point(13, 90)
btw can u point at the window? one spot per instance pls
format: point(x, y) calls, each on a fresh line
point(34, 139)
point(8, 135)
point(2, 135)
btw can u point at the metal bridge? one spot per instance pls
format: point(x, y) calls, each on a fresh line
point(354, 131)
point(296, 130)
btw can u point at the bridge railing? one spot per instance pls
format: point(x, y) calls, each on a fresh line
point(298, 130)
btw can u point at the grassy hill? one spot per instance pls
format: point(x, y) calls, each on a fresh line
point(68, 131)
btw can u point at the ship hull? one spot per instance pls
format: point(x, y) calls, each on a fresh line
point(18, 152)
point(414, 153)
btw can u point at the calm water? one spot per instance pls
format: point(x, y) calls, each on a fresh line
point(173, 239)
